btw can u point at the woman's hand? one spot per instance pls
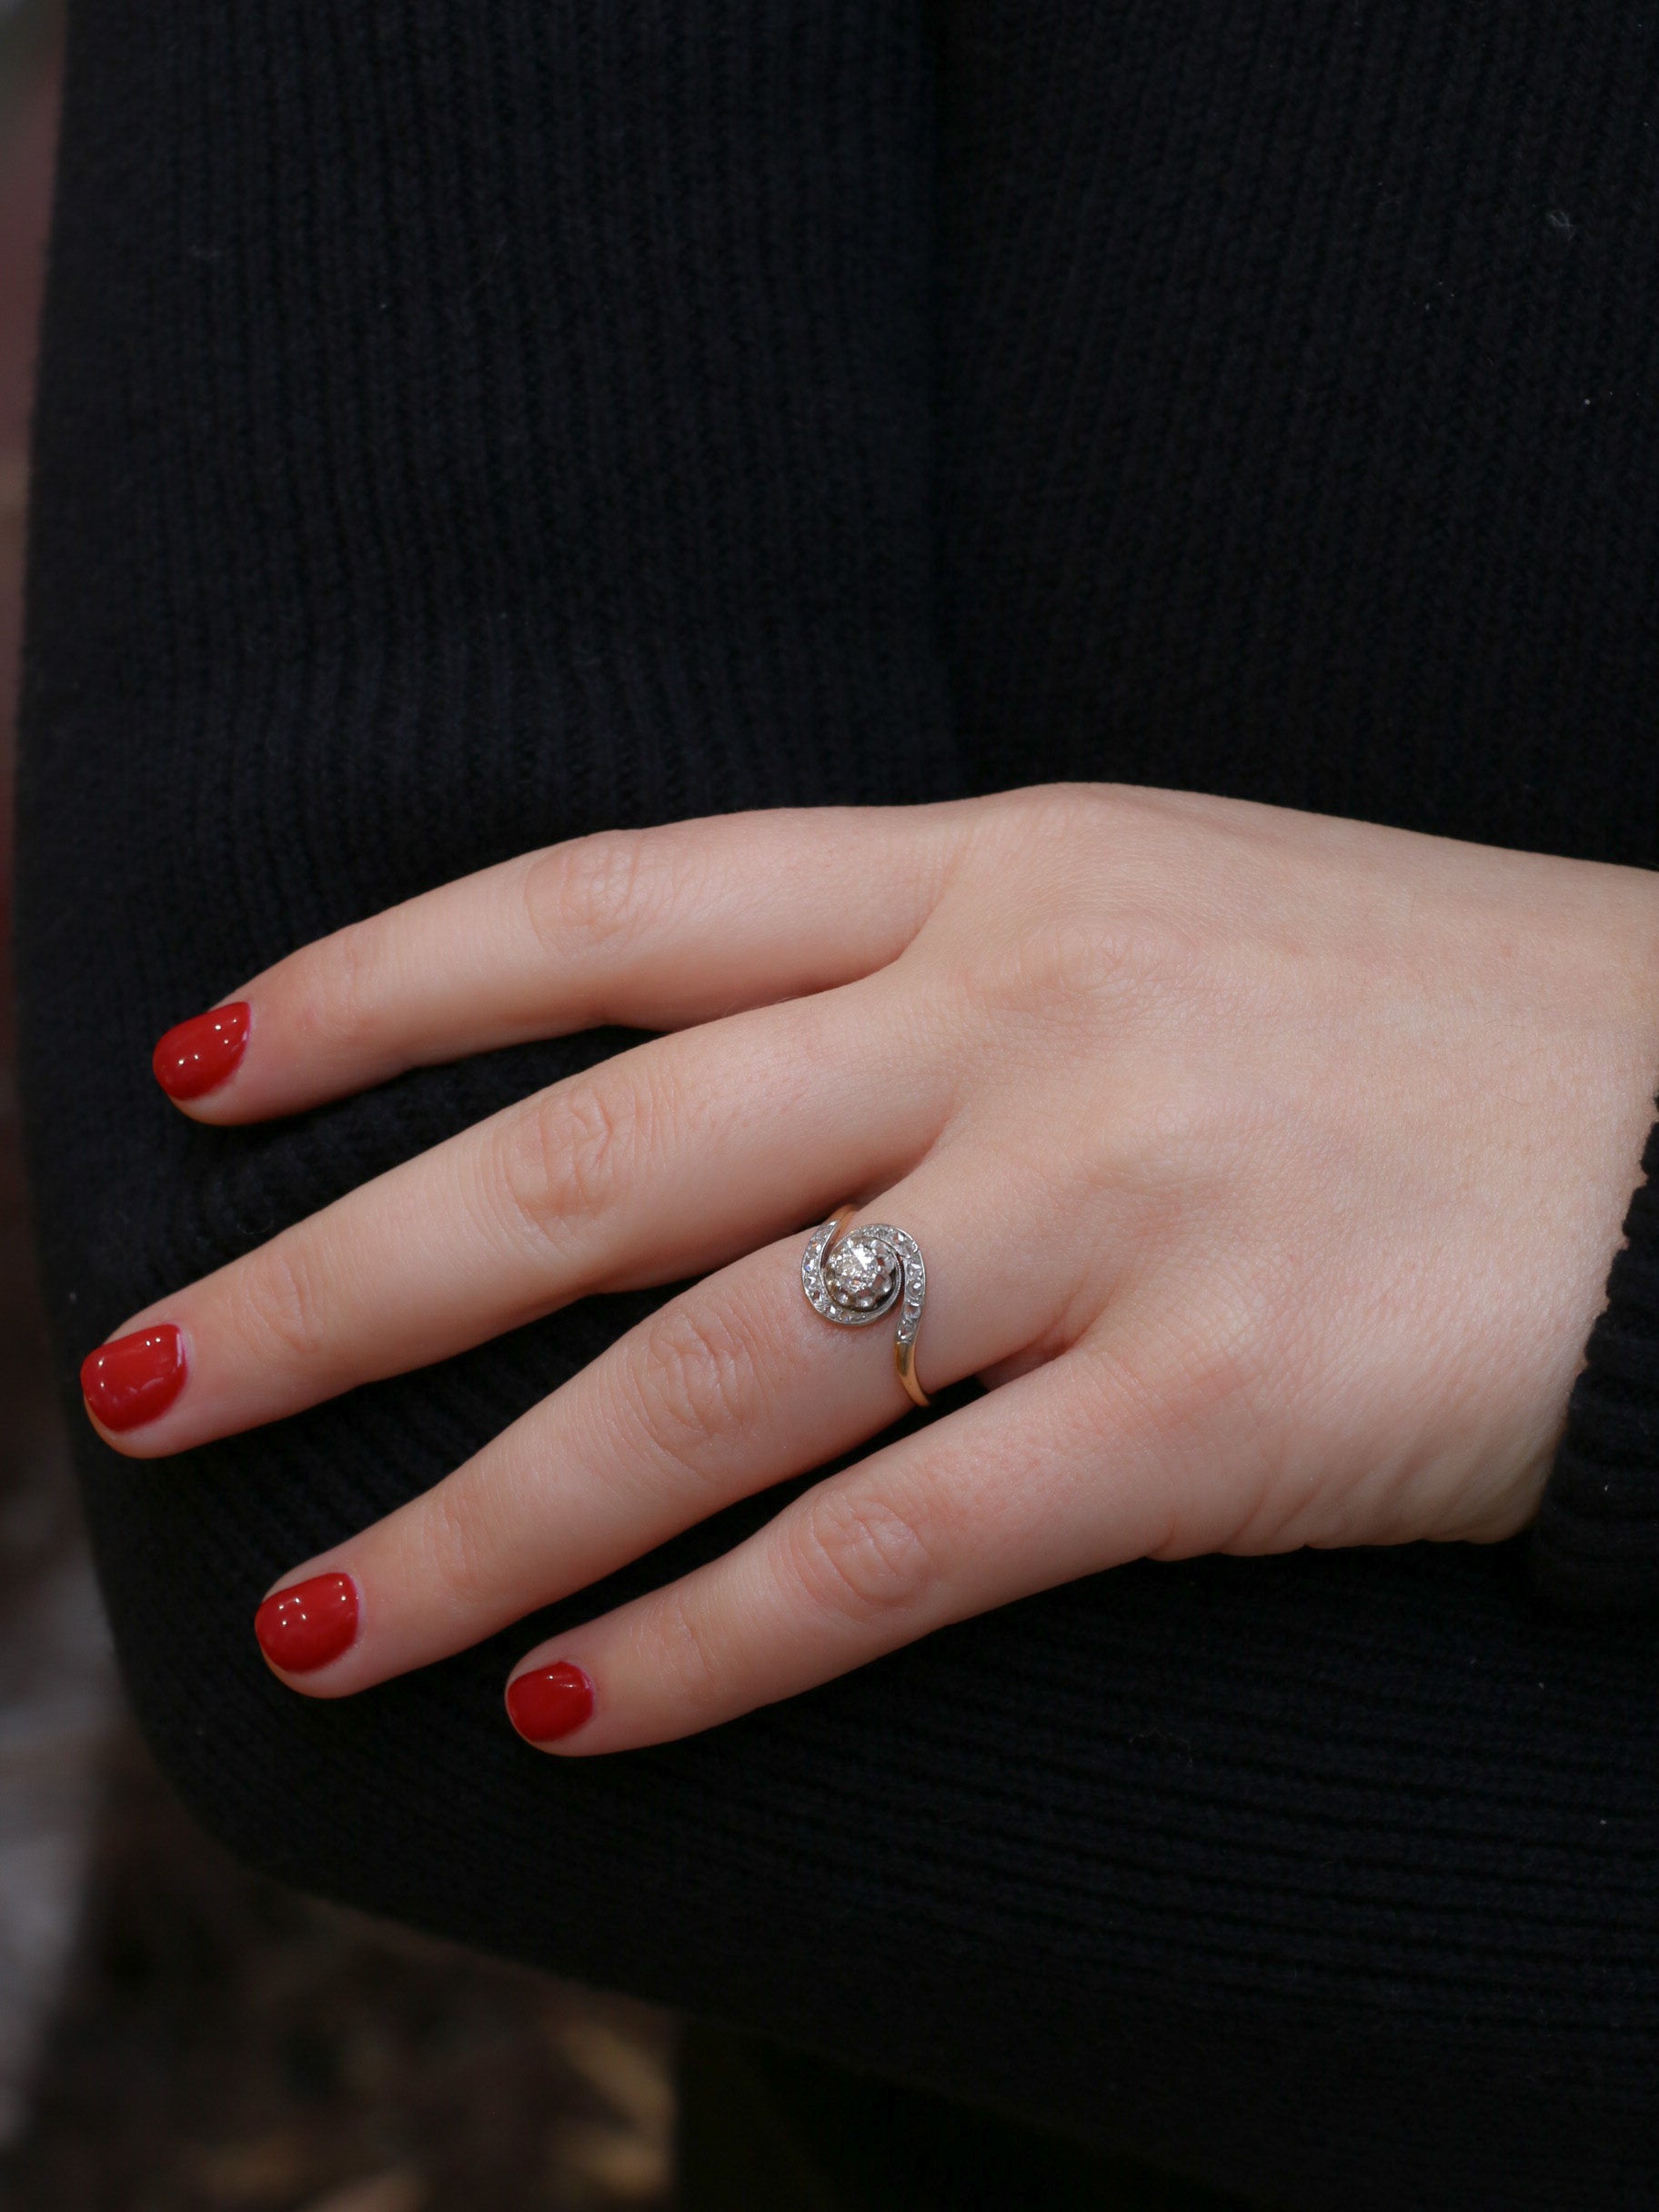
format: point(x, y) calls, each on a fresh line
point(1267, 1167)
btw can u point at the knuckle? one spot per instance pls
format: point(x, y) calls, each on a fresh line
point(682, 1650)
point(465, 1551)
point(856, 1555)
point(1068, 957)
point(1166, 1143)
point(283, 1306)
point(597, 888)
point(604, 1127)
point(336, 993)
point(1059, 964)
point(696, 1378)
point(565, 1156)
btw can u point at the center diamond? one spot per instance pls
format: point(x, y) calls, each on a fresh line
point(860, 1274)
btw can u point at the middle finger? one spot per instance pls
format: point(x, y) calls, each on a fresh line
point(660, 1162)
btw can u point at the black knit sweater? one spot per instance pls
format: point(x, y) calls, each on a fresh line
point(467, 424)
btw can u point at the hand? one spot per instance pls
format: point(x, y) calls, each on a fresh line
point(1267, 1166)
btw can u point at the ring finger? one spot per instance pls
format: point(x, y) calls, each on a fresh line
point(734, 1385)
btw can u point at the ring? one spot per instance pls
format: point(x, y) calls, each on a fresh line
point(854, 1276)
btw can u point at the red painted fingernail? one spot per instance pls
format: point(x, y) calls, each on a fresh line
point(308, 1624)
point(201, 1053)
point(135, 1379)
point(550, 1702)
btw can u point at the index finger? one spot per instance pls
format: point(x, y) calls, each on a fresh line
point(653, 929)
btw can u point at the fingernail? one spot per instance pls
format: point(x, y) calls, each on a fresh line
point(308, 1624)
point(201, 1053)
point(135, 1379)
point(549, 1702)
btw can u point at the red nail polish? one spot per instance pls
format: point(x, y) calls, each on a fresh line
point(308, 1624)
point(550, 1702)
point(135, 1379)
point(201, 1053)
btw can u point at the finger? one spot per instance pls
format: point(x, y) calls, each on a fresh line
point(1039, 1482)
point(656, 1165)
point(653, 929)
point(733, 1385)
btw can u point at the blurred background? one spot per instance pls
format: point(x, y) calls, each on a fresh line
point(175, 2033)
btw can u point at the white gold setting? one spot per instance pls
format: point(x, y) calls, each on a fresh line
point(856, 1276)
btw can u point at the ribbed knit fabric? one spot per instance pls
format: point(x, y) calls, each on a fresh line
point(462, 426)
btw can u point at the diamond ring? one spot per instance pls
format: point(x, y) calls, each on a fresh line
point(854, 1276)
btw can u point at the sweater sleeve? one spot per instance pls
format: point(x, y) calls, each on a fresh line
point(1595, 1545)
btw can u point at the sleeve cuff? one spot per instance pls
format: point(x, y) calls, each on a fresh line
point(1595, 1544)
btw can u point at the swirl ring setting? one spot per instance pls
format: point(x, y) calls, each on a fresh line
point(857, 1276)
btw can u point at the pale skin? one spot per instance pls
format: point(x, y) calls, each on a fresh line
point(1268, 1167)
